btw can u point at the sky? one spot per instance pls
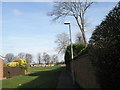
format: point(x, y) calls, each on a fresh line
point(27, 28)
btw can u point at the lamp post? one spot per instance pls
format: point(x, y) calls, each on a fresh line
point(68, 23)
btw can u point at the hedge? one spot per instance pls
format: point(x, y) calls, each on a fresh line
point(77, 49)
point(105, 49)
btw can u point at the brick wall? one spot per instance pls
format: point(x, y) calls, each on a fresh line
point(84, 72)
point(1, 69)
point(10, 72)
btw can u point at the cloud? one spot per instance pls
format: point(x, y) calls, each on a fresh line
point(17, 12)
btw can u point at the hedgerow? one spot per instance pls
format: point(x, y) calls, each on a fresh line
point(105, 49)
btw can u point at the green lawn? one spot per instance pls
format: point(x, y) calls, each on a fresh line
point(41, 77)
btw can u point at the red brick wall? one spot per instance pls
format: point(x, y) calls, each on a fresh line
point(1, 69)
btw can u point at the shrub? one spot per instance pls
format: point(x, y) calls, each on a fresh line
point(22, 62)
point(17, 63)
point(12, 64)
point(105, 49)
point(77, 48)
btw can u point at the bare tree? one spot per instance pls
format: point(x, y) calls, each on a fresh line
point(46, 58)
point(16, 57)
point(9, 57)
point(28, 58)
point(74, 9)
point(39, 58)
point(55, 58)
point(62, 41)
point(21, 55)
point(79, 38)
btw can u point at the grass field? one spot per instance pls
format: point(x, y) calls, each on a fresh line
point(41, 77)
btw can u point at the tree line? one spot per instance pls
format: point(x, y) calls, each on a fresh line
point(47, 59)
point(9, 57)
point(41, 58)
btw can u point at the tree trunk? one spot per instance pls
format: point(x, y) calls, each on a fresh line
point(84, 38)
point(82, 31)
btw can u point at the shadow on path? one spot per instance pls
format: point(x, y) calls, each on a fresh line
point(65, 80)
point(44, 79)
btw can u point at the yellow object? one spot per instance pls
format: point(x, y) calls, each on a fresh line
point(12, 64)
point(18, 62)
point(21, 61)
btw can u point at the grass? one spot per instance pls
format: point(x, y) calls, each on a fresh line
point(41, 77)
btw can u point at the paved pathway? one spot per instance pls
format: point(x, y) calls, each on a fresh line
point(65, 80)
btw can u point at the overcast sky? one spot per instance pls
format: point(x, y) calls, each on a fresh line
point(27, 28)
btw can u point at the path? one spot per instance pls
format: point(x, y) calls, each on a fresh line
point(65, 80)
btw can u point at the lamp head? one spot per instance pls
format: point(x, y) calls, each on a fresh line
point(67, 22)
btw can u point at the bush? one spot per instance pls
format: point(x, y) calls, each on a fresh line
point(22, 62)
point(12, 64)
point(17, 63)
point(77, 48)
point(105, 49)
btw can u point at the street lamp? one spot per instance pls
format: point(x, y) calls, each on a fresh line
point(68, 23)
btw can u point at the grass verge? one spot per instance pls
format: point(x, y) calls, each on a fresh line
point(41, 77)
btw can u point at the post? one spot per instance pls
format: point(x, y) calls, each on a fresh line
point(71, 42)
point(68, 23)
point(71, 54)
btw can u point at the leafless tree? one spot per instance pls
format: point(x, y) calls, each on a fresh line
point(74, 9)
point(62, 41)
point(21, 55)
point(39, 58)
point(28, 58)
point(16, 57)
point(54, 58)
point(46, 57)
point(79, 38)
point(9, 57)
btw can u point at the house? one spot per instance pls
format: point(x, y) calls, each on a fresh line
point(1, 68)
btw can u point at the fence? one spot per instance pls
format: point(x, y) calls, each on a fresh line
point(84, 72)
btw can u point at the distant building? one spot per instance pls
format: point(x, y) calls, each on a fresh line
point(41, 65)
